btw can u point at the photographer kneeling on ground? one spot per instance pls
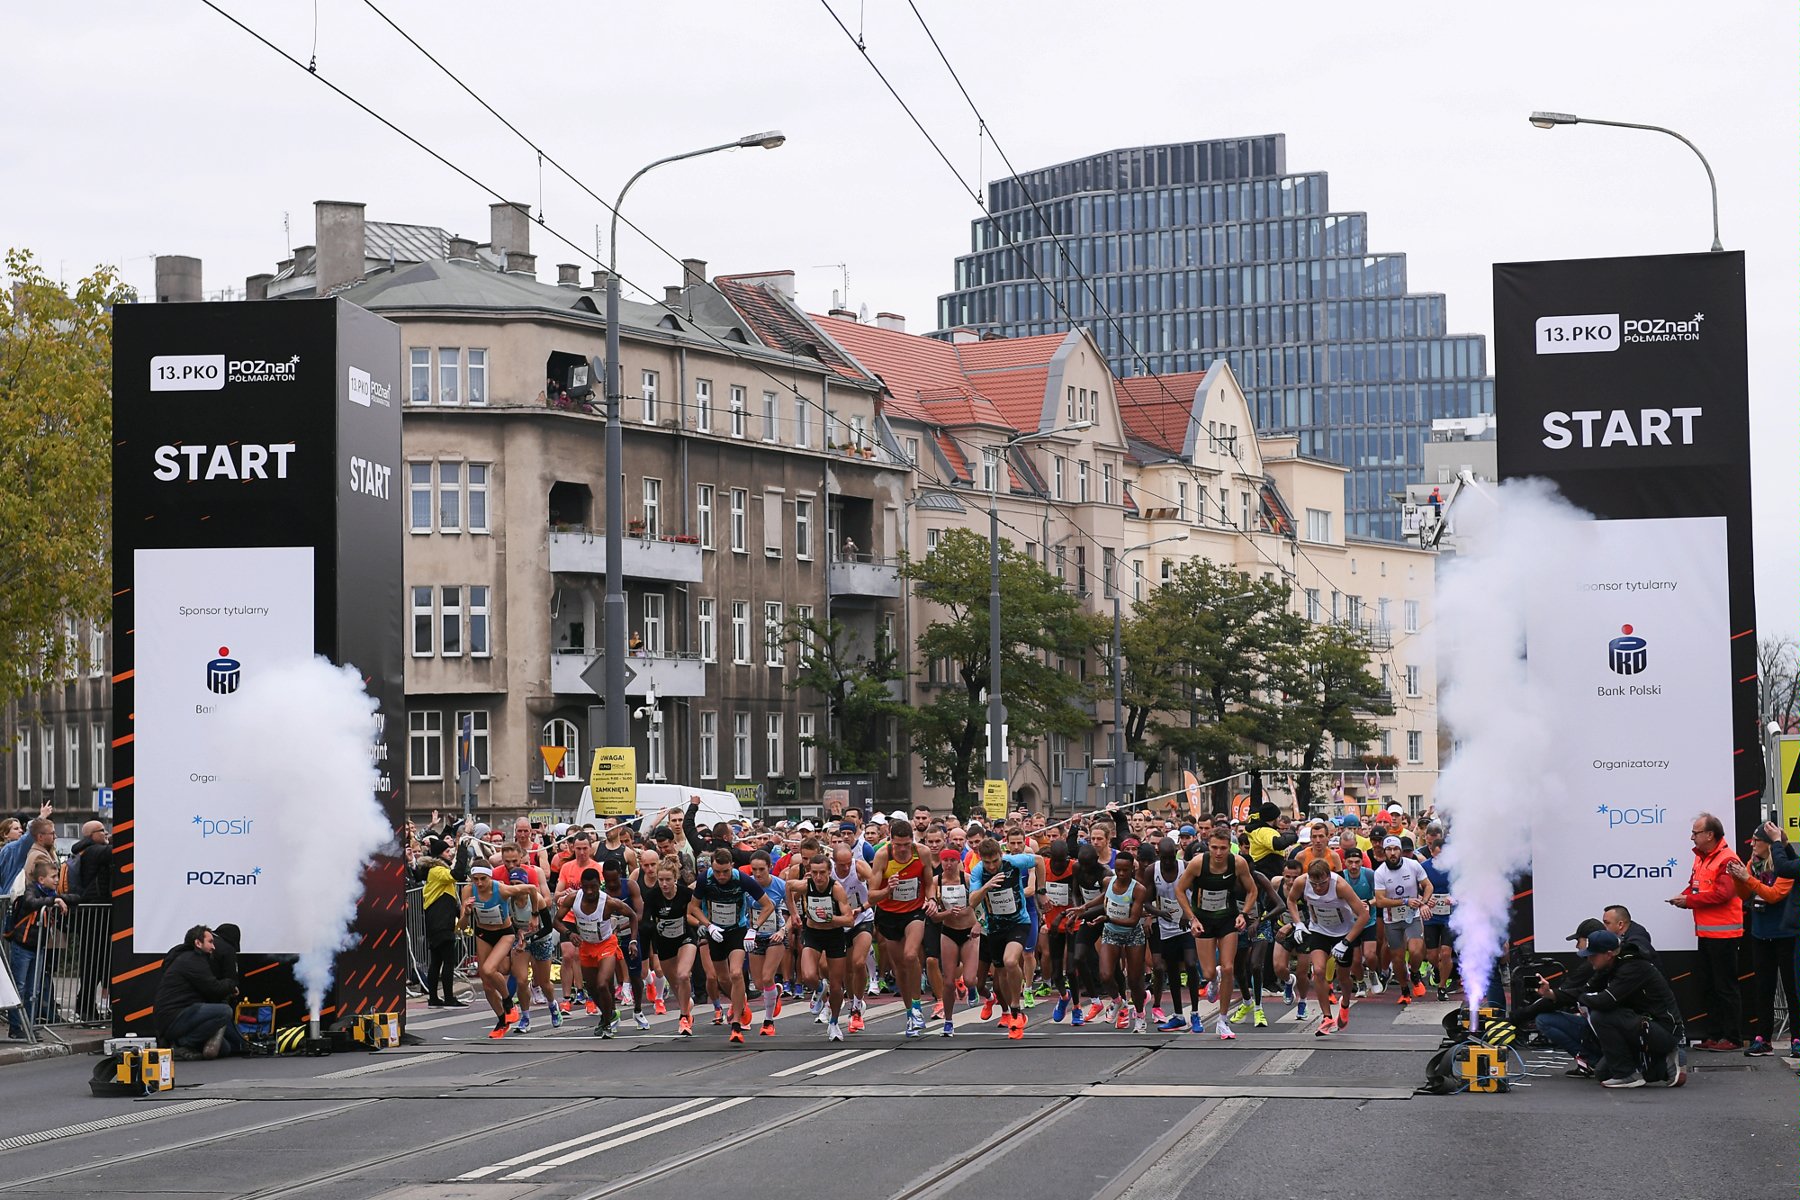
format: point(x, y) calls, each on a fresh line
point(194, 1015)
point(1633, 1013)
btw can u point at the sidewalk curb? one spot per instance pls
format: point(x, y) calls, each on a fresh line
point(83, 1042)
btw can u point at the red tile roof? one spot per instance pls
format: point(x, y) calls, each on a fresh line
point(779, 325)
point(1017, 394)
point(1157, 408)
point(959, 466)
point(911, 366)
point(1000, 354)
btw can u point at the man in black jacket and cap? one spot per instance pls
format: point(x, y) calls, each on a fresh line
point(1633, 1013)
point(194, 1015)
point(1554, 1011)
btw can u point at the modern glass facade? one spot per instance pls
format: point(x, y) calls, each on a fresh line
point(1205, 250)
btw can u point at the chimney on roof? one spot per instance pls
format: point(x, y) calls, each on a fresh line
point(338, 228)
point(509, 226)
point(775, 281)
point(693, 272)
point(177, 279)
point(520, 263)
point(962, 334)
point(256, 287)
point(842, 314)
point(672, 296)
point(462, 249)
point(893, 321)
point(568, 275)
point(600, 279)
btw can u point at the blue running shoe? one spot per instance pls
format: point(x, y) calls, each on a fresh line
point(1076, 1019)
point(1195, 1024)
point(1062, 1008)
point(1301, 1012)
point(1173, 1025)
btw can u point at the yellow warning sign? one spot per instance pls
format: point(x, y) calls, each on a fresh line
point(1790, 787)
point(613, 780)
point(553, 758)
point(993, 799)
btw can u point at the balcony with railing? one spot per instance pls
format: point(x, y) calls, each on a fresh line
point(1378, 635)
point(851, 573)
point(671, 675)
point(672, 558)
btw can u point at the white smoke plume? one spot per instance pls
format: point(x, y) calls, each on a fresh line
point(302, 735)
point(1498, 779)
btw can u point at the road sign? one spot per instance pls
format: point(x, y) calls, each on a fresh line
point(613, 780)
point(993, 799)
point(553, 758)
point(594, 675)
point(1790, 786)
point(103, 801)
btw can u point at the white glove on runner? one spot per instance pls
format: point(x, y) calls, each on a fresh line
point(715, 933)
point(1341, 951)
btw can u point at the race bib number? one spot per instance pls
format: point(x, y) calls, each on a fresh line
point(953, 895)
point(588, 931)
point(1118, 907)
point(905, 891)
point(1168, 909)
point(820, 909)
point(1003, 902)
point(671, 927)
point(772, 924)
point(1057, 893)
point(1401, 915)
point(724, 914)
point(1440, 905)
point(1214, 900)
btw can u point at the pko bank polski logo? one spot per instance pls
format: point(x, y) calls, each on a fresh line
point(1599, 333)
point(1616, 816)
point(1627, 654)
point(364, 388)
point(227, 878)
point(1664, 870)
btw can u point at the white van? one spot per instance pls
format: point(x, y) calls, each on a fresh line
point(654, 798)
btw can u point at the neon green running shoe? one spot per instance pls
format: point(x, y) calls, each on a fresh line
point(1239, 1013)
point(1262, 1022)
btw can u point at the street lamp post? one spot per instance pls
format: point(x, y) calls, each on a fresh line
point(1550, 120)
point(1118, 671)
point(996, 710)
point(614, 618)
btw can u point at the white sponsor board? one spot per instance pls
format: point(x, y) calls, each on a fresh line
point(1629, 638)
point(206, 620)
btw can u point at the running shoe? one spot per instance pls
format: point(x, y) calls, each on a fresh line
point(1403, 1000)
point(937, 1011)
point(592, 1008)
point(524, 1025)
point(537, 996)
point(1005, 1021)
point(1287, 990)
point(1031, 998)
point(1418, 990)
point(856, 1021)
point(834, 1032)
point(607, 1031)
point(744, 1018)
point(555, 1017)
point(1377, 984)
point(565, 1006)
point(768, 1029)
point(499, 1029)
point(643, 1022)
point(1633, 1080)
point(874, 987)
point(1326, 1028)
point(1212, 990)
point(1017, 1032)
point(820, 1016)
point(1427, 976)
point(718, 1014)
point(1260, 1021)
point(1157, 1014)
point(1362, 990)
point(737, 1034)
point(1226, 1034)
point(1171, 1025)
point(512, 1015)
point(818, 1005)
point(1758, 1047)
point(777, 1004)
point(1112, 1010)
point(1301, 1010)
point(1443, 993)
point(987, 1007)
point(949, 1029)
point(652, 994)
point(1240, 1013)
point(1196, 1025)
point(1343, 1015)
point(1140, 1025)
point(1076, 1019)
point(1062, 1008)
point(685, 1027)
point(1123, 1021)
point(1093, 1010)
point(626, 1000)
point(613, 1025)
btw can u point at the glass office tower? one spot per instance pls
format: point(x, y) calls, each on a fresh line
point(1204, 250)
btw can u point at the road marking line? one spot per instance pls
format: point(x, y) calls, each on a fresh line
point(865, 1056)
point(575, 1155)
point(392, 1064)
point(660, 1114)
point(107, 1123)
point(807, 1066)
point(1170, 1174)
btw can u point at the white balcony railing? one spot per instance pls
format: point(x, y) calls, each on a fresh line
point(670, 675)
point(579, 552)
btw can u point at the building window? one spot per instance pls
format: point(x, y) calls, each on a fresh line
point(1409, 612)
point(1318, 525)
point(740, 532)
point(480, 644)
point(802, 423)
point(652, 512)
point(738, 416)
point(740, 631)
point(990, 470)
point(96, 649)
point(1244, 510)
point(97, 751)
point(771, 422)
point(1415, 746)
point(774, 647)
point(1106, 483)
point(932, 538)
point(740, 745)
point(477, 378)
point(1108, 564)
point(476, 719)
point(1069, 410)
point(422, 642)
point(22, 760)
point(802, 528)
point(478, 498)
point(449, 497)
point(72, 756)
point(1387, 735)
point(651, 409)
point(419, 497)
point(1181, 510)
point(1312, 604)
point(425, 745)
point(1381, 611)
point(703, 514)
point(1059, 758)
point(1356, 610)
point(450, 613)
point(1056, 476)
point(653, 624)
point(912, 451)
point(772, 745)
point(1081, 481)
point(48, 759)
point(772, 523)
point(893, 747)
point(887, 632)
point(563, 733)
point(709, 631)
point(1336, 597)
point(1414, 802)
point(709, 745)
point(418, 387)
point(1137, 580)
point(449, 375)
point(803, 730)
point(703, 405)
point(1412, 680)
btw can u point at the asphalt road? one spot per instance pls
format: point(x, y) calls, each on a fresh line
point(1064, 1114)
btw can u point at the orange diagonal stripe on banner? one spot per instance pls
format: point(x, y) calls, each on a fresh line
point(136, 971)
point(388, 970)
point(260, 970)
point(140, 1014)
point(123, 890)
point(130, 737)
point(124, 783)
point(121, 935)
point(122, 676)
point(122, 826)
point(122, 847)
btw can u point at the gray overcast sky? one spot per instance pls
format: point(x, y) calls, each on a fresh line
point(142, 128)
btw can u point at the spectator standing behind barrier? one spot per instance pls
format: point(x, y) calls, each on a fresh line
point(39, 843)
point(1774, 922)
point(90, 884)
point(29, 924)
point(194, 1016)
point(1784, 866)
point(1711, 895)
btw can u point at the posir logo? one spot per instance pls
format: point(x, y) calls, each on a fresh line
point(1590, 333)
point(364, 388)
point(1616, 816)
point(1634, 870)
point(1627, 654)
point(211, 827)
point(224, 878)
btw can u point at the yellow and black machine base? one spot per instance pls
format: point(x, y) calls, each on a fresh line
point(1475, 1053)
point(133, 1066)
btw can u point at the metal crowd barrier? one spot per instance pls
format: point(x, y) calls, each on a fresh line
point(63, 972)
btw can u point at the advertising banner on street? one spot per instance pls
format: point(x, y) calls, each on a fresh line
point(258, 523)
point(1625, 382)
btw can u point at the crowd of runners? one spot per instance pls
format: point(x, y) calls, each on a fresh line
point(1118, 920)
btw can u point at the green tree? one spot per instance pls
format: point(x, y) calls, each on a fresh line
point(55, 466)
point(1201, 654)
point(856, 682)
point(1328, 692)
point(1040, 623)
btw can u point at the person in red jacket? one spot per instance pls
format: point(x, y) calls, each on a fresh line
point(1712, 896)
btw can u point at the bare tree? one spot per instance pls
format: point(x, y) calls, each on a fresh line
point(1777, 681)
